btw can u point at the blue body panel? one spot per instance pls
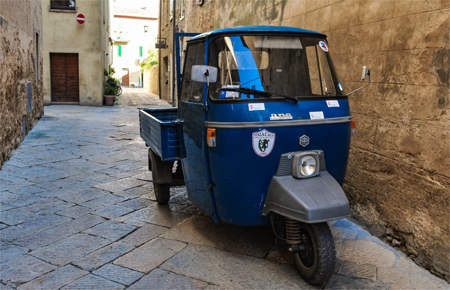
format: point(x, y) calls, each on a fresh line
point(241, 178)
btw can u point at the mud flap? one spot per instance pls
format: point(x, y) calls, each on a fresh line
point(310, 200)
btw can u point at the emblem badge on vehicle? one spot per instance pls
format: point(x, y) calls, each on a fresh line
point(304, 141)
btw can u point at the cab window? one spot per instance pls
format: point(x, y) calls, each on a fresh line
point(291, 66)
point(192, 91)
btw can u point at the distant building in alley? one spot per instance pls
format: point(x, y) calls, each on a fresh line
point(76, 51)
point(134, 30)
point(21, 102)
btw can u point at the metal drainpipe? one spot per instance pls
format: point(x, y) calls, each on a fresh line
point(174, 52)
point(159, 52)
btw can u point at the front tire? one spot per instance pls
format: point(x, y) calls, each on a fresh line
point(162, 192)
point(316, 258)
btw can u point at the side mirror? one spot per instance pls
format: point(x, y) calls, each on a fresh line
point(204, 73)
point(365, 73)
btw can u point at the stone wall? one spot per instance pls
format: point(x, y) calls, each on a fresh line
point(151, 78)
point(20, 42)
point(398, 176)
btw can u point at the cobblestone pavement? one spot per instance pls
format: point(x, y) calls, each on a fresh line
point(78, 212)
point(138, 97)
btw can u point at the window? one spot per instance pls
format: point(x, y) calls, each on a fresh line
point(119, 50)
point(62, 4)
point(182, 8)
point(286, 65)
point(140, 51)
point(190, 90)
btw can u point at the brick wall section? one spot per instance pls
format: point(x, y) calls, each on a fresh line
point(151, 79)
point(19, 23)
point(398, 176)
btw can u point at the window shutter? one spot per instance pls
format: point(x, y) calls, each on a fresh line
point(119, 50)
point(140, 51)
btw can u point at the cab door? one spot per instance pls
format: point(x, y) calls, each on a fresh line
point(191, 106)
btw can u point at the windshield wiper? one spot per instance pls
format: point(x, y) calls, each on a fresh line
point(257, 92)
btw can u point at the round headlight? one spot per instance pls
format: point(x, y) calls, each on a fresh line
point(307, 165)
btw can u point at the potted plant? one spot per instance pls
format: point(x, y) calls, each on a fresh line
point(111, 86)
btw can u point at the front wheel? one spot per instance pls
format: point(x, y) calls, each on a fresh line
point(316, 255)
point(162, 192)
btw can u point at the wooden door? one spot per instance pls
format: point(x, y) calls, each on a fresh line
point(64, 77)
point(126, 79)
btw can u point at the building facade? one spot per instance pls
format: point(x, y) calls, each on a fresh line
point(133, 32)
point(398, 175)
point(76, 52)
point(21, 101)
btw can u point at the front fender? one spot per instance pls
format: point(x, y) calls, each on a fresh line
point(310, 200)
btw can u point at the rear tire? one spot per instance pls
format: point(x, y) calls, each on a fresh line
point(162, 192)
point(317, 258)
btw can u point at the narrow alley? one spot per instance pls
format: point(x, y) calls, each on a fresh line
point(78, 211)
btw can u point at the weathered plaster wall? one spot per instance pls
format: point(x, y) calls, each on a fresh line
point(19, 64)
point(151, 79)
point(63, 34)
point(398, 175)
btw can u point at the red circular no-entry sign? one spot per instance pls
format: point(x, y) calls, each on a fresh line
point(80, 18)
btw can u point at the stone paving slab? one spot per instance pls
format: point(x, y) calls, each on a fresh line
point(121, 184)
point(69, 249)
point(233, 271)
point(144, 234)
point(16, 216)
point(113, 211)
point(55, 279)
point(200, 230)
point(119, 274)
point(93, 282)
point(23, 269)
point(103, 256)
point(9, 251)
point(150, 255)
point(59, 232)
point(111, 230)
point(161, 216)
point(160, 279)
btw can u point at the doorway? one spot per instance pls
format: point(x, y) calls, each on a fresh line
point(64, 78)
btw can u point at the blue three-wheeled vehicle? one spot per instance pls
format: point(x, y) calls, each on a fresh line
point(261, 136)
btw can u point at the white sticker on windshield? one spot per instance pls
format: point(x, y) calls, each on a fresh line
point(323, 46)
point(332, 103)
point(316, 115)
point(256, 107)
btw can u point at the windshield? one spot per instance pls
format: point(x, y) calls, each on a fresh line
point(288, 66)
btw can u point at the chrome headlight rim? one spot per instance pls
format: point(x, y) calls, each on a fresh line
point(305, 164)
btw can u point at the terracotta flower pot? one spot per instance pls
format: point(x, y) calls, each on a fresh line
point(109, 100)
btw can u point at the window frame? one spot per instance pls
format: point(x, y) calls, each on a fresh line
point(191, 44)
point(267, 100)
point(62, 8)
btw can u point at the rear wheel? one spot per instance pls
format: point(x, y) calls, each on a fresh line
point(162, 192)
point(315, 256)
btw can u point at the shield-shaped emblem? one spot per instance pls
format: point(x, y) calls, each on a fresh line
point(263, 142)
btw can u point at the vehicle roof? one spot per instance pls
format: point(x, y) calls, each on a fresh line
point(256, 28)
